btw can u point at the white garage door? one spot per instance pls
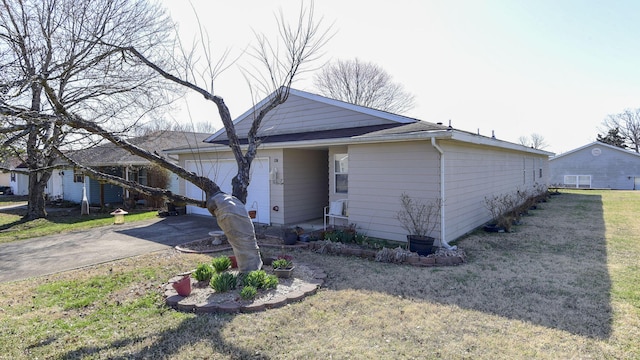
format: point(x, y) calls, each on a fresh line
point(222, 171)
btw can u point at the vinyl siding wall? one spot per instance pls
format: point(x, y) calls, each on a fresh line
point(309, 116)
point(72, 191)
point(305, 184)
point(5, 179)
point(475, 172)
point(379, 174)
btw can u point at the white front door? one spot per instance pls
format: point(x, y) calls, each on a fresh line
point(222, 171)
point(55, 185)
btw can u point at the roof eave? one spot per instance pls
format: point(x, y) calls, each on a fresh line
point(410, 136)
point(487, 141)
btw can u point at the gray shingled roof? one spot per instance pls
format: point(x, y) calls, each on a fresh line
point(318, 135)
point(112, 155)
point(417, 126)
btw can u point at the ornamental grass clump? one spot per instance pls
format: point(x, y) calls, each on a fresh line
point(282, 264)
point(260, 280)
point(223, 282)
point(203, 272)
point(221, 263)
point(248, 292)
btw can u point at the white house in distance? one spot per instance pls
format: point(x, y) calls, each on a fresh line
point(596, 166)
point(316, 150)
point(19, 182)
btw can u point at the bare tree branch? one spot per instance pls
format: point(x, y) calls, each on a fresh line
point(302, 44)
point(364, 84)
point(66, 118)
point(628, 125)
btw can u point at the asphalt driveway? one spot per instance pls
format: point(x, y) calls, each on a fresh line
point(51, 254)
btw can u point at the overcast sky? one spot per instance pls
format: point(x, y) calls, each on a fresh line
point(552, 67)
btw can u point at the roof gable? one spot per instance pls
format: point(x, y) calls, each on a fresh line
point(304, 112)
point(595, 144)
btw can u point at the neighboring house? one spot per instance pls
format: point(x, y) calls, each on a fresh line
point(114, 160)
point(596, 166)
point(5, 178)
point(19, 182)
point(316, 150)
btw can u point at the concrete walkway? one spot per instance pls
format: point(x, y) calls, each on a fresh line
point(51, 254)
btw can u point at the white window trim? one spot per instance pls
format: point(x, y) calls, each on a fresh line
point(578, 181)
point(336, 173)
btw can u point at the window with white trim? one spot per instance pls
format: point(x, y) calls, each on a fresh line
point(341, 169)
point(577, 181)
point(78, 176)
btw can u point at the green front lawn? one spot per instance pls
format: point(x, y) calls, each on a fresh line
point(13, 228)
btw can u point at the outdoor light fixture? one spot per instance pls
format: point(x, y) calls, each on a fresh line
point(118, 216)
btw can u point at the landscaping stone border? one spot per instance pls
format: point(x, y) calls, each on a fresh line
point(181, 303)
point(440, 258)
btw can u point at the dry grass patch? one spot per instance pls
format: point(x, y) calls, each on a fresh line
point(563, 285)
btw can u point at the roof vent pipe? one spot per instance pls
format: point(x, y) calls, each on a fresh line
point(493, 134)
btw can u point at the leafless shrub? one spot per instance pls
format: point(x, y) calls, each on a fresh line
point(501, 208)
point(419, 217)
point(397, 255)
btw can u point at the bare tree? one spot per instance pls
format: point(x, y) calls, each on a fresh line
point(628, 125)
point(301, 43)
point(61, 43)
point(364, 84)
point(164, 124)
point(534, 141)
point(282, 61)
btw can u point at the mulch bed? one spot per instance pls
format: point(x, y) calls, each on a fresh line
point(441, 257)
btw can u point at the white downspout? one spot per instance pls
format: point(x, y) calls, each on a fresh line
point(443, 241)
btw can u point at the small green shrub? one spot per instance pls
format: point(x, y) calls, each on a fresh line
point(282, 264)
point(270, 282)
point(221, 263)
point(260, 280)
point(254, 278)
point(248, 292)
point(223, 282)
point(344, 236)
point(360, 239)
point(203, 272)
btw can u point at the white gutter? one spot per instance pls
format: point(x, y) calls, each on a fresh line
point(420, 135)
point(443, 241)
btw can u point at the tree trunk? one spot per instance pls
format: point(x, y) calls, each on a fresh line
point(36, 207)
point(240, 182)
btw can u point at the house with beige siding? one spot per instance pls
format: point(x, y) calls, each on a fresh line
point(315, 151)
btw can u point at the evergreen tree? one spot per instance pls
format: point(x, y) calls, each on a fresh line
point(613, 137)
